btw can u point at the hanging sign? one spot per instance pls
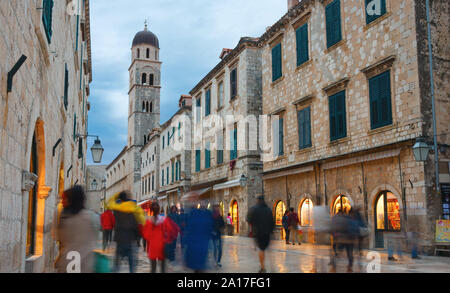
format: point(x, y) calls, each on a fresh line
point(443, 231)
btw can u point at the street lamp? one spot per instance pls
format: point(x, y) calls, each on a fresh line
point(96, 149)
point(421, 150)
point(243, 181)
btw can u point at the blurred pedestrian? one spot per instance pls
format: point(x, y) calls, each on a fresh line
point(394, 244)
point(198, 234)
point(230, 225)
point(107, 220)
point(218, 227)
point(293, 223)
point(159, 231)
point(126, 233)
point(344, 231)
point(170, 247)
point(261, 218)
point(284, 221)
point(77, 232)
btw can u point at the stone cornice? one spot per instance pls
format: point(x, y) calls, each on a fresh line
point(117, 158)
point(88, 37)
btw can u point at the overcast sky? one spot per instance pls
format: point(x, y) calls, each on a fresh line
point(191, 33)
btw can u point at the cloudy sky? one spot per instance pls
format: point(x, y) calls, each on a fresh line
point(192, 34)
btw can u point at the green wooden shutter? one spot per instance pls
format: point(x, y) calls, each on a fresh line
point(341, 115)
point(197, 160)
point(173, 172)
point(380, 100)
point(281, 136)
point(233, 152)
point(47, 15)
point(304, 117)
point(167, 176)
point(66, 87)
point(80, 148)
point(233, 83)
point(301, 121)
point(333, 117)
point(162, 176)
point(302, 44)
point(276, 62)
point(370, 18)
point(208, 103)
point(207, 156)
point(333, 22)
point(74, 126)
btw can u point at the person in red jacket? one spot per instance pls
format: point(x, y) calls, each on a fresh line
point(293, 223)
point(107, 220)
point(159, 231)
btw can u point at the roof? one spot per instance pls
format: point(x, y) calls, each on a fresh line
point(146, 37)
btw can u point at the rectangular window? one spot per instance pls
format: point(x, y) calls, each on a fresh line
point(153, 182)
point(66, 87)
point(220, 148)
point(162, 176)
point(164, 142)
point(80, 148)
point(302, 44)
point(47, 15)
point(220, 95)
point(173, 172)
point(208, 156)
point(380, 100)
point(281, 136)
point(233, 83)
point(167, 176)
point(208, 102)
point(276, 62)
point(198, 109)
point(197, 160)
point(304, 128)
point(74, 126)
point(176, 171)
point(179, 170)
point(374, 9)
point(338, 123)
point(234, 142)
point(333, 22)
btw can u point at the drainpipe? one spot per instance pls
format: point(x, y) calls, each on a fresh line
point(430, 56)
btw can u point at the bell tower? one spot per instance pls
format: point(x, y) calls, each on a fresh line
point(144, 94)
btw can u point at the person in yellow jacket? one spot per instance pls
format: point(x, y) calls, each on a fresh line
point(129, 221)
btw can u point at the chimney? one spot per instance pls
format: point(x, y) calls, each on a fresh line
point(292, 3)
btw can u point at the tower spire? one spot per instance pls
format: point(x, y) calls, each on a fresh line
point(146, 25)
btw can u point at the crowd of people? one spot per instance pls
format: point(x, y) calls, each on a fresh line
point(195, 230)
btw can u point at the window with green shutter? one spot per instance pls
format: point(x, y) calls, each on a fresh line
point(80, 148)
point(197, 160)
point(374, 9)
point(302, 44)
point(281, 137)
point(233, 152)
point(208, 156)
point(208, 103)
point(167, 176)
point(380, 100)
point(164, 142)
point(74, 126)
point(173, 172)
point(333, 22)
point(66, 87)
point(304, 128)
point(276, 62)
point(233, 83)
point(162, 176)
point(47, 15)
point(338, 123)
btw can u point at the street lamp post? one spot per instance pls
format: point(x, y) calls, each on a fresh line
point(96, 149)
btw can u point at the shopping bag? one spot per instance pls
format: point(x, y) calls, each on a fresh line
point(102, 263)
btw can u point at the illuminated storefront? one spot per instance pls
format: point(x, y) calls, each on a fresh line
point(342, 203)
point(305, 211)
point(280, 209)
point(234, 211)
point(387, 216)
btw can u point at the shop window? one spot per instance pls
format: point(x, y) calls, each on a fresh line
point(387, 212)
point(234, 211)
point(342, 203)
point(306, 213)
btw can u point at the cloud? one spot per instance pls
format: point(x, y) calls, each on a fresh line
point(192, 33)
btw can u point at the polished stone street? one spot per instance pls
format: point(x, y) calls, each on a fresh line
point(240, 256)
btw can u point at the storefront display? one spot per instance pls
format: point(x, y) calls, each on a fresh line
point(342, 203)
point(306, 209)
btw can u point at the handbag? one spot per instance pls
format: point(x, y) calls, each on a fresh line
point(102, 263)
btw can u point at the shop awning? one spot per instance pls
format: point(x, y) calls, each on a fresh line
point(144, 202)
point(195, 194)
point(289, 172)
point(228, 184)
point(362, 159)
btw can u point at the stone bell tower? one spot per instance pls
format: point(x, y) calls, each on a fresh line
point(144, 95)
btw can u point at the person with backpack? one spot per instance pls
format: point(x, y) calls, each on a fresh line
point(77, 232)
point(129, 220)
point(293, 223)
point(261, 218)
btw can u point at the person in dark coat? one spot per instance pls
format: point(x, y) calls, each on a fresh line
point(261, 218)
point(284, 221)
point(218, 228)
point(199, 230)
point(293, 223)
point(344, 230)
point(170, 247)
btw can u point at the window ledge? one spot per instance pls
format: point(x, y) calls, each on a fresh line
point(381, 129)
point(303, 65)
point(339, 141)
point(332, 48)
point(279, 80)
point(305, 150)
point(377, 21)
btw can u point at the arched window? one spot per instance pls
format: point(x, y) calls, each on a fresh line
point(138, 53)
point(148, 53)
point(280, 209)
point(143, 106)
point(387, 212)
point(234, 211)
point(144, 78)
point(151, 107)
point(151, 79)
point(342, 203)
point(145, 139)
point(32, 203)
point(305, 211)
point(156, 55)
point(146, 107)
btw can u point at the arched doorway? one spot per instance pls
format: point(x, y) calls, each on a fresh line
point(341, 203)
point(234, 211)
point(280, 209)
point(222, 208)
point(32, 203)
point(305, 211)
point(387, 216)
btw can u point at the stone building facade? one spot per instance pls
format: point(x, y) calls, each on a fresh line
point(124, 173)
point(227, 103)
point(45, 72)
point(95, 187)
point(350, 90)
point(150, 167)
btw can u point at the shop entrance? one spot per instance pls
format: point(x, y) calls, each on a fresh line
point(280, 209)
point(387, 216)
point(342, 203)
point(234, 211)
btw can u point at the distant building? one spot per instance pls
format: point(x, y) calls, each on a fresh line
point(45, 72)
point(96, 187)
